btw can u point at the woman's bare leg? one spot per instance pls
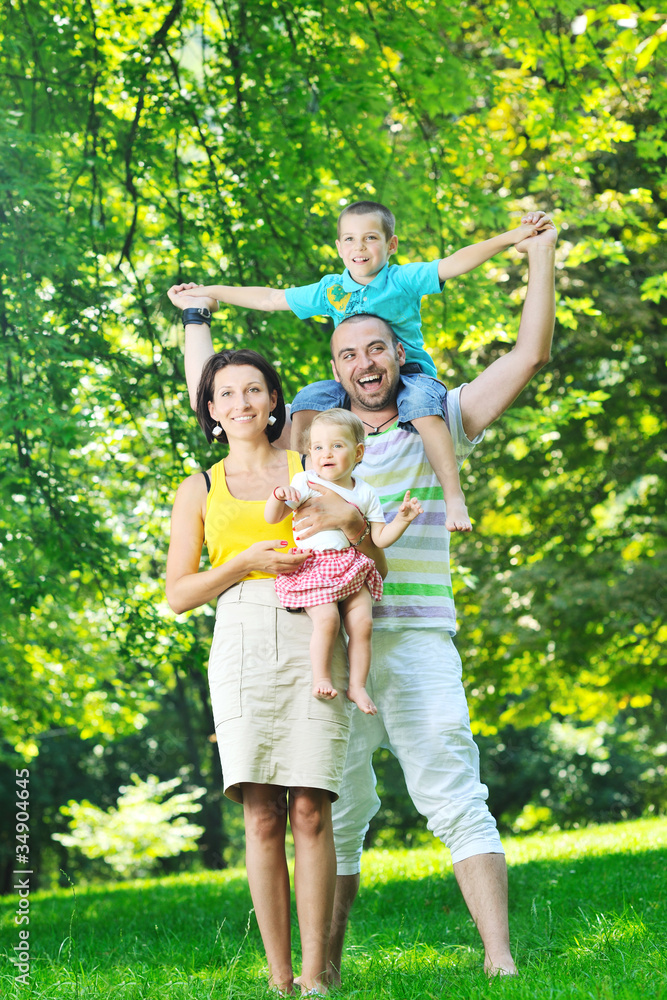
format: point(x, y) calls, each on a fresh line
point(314, 880)
point(357, 611)
point(265, 815)
point(326, 625)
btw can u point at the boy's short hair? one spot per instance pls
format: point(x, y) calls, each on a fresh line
point(370, 208)
point(341, 418)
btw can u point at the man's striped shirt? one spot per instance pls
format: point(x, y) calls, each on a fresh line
point(418, 588)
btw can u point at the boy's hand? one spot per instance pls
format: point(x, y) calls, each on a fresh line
point(410, 508)
point(545, 233)
point(288, 494)
point(531, 225)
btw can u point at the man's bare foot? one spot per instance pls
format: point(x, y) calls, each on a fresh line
point(323, 689)
point(359, 696)
point(501, 970)
point(457, 516)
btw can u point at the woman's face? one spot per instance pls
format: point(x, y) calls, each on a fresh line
point(241, 401)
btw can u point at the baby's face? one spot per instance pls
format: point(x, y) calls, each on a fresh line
point(333, 451)
point(363, 246)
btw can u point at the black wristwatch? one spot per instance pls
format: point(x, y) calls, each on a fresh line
point(201, 316)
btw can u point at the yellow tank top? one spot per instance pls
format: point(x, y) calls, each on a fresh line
point(232, 525)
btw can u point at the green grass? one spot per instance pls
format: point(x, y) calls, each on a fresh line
point(588, 913)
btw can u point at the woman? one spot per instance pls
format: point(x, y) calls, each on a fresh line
point(282, 751)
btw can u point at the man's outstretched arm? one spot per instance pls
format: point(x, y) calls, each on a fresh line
point(492, 392)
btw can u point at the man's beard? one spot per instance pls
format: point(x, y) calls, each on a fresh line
point(375, 402)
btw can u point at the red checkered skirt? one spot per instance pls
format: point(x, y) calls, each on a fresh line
point(328, 577)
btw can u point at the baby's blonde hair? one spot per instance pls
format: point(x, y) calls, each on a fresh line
point(341, 418)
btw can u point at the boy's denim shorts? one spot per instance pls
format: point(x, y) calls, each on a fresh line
point(419, 395)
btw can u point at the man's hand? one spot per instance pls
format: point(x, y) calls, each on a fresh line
point(327, 512)
point(180, 297)
point(546, 237)
point(531, 225)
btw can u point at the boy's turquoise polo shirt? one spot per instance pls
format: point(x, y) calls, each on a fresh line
point(395, 294)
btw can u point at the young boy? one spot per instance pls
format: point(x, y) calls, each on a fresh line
point(366, 241)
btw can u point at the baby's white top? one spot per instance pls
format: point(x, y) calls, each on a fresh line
point(362, 496)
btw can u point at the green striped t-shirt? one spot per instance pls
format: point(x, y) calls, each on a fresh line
point(418, 587)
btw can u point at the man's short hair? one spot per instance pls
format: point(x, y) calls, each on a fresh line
point(359, 318)
point(370, 208)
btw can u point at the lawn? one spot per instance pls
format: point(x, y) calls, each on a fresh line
point(588, 914)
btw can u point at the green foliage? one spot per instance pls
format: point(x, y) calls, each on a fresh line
point(553, 776)
point(144, 827)
point(148, 143)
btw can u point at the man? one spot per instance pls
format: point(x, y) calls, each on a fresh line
point(415, 678)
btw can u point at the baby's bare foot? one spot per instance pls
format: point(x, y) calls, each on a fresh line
point(323, 689)
point(457, 516)
point(359, 696)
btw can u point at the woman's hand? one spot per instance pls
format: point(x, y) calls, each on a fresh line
point(182, 299)
point(327, 512)
point(273, 557)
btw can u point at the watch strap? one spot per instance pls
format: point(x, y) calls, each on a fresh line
point(200, 316)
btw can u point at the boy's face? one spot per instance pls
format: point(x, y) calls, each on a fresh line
point(363, 246)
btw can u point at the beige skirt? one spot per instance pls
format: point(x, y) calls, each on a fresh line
point(269, 727)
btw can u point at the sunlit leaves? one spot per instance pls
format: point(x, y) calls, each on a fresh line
point(148, 143)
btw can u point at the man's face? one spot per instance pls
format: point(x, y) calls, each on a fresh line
point(366, 363)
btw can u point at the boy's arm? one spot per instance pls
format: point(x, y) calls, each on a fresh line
point(492, 392)
point(384, 535)
point(468, 258)
point(247, 296)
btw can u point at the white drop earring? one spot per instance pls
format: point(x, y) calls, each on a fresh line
point(217, 430)
point(271, 421)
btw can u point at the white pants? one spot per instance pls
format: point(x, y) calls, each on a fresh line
point(415, 681)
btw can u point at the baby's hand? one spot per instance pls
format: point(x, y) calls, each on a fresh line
point(410, 508)
point(288, 494)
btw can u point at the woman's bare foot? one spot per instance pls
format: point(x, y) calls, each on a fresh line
point(284, 990)
point(323, 689)
point(359, 696)
point(457, 516)
point(318, 990)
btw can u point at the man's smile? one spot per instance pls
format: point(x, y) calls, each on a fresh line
point(371, 381)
